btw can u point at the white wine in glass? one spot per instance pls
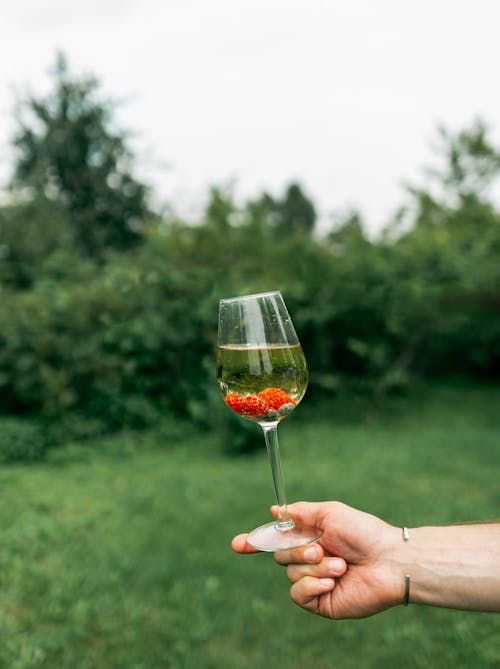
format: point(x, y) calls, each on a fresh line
point(262, 375)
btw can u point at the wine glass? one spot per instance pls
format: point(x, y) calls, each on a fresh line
point(262, 375)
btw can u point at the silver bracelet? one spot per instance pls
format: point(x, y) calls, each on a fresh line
point(406, 599)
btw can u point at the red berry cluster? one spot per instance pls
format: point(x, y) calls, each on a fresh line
point(258, 405)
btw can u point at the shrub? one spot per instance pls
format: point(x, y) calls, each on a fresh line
point(21, 440)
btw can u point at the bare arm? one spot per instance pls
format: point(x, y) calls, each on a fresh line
point(456, 566)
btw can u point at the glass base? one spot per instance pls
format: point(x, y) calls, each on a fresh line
point(270, 538)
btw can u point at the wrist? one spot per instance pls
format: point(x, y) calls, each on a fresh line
point(407, 560)
point(449, 567)
point(397, 564)
point(415, 565)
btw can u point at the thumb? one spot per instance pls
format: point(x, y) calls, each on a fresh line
point(306, 513)
point(239, 544)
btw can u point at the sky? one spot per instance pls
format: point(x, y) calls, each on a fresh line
point(342, 95)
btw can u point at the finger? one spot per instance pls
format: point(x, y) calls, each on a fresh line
point(310, 514)
point(306, 591)
point(328, 568)
point(240, 545)
point(308, 554)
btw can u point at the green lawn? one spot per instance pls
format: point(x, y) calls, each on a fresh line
point(116, 555)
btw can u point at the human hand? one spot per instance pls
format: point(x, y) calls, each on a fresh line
point(351, 571)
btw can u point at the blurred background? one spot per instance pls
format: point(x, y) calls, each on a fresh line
point(156, 157)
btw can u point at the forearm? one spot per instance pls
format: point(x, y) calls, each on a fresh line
point(455, 566)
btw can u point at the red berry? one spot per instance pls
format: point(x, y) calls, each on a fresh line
point(275, 398)
point(254, 406)
point(235, 402)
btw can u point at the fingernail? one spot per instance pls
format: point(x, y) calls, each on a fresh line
point(326, 582)
point(311, 554)
point(336, 565)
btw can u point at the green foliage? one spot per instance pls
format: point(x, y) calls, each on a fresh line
point(296, 213)
point(21, 440)
point(30, 233)
point(291, 214)
point(103, 344)
point(95, 326)
point(472, 163)
point(67, 151)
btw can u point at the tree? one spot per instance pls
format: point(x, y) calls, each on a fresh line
point(293, 213)
point(219, 209)
point(347, 232)
point(452, 252)
point(31, 233)
point(68, 151)
point(472, 162)
point(296, 211)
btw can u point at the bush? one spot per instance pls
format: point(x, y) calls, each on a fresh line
point(21, 440)
point(123, 342)
point(122, 345)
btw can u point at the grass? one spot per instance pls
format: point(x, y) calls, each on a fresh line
point(116, 555)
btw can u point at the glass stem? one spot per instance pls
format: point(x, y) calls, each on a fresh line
point(273, 450)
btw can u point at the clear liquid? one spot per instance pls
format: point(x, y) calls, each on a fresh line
point(250, 370)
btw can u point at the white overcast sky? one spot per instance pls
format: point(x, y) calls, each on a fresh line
point(343, 95)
